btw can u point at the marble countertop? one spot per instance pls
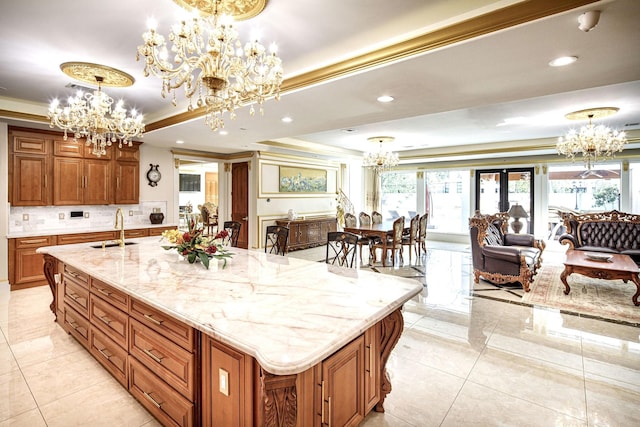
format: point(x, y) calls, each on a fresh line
point(76, 230)
point(288, 313)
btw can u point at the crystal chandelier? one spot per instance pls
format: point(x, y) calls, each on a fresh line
point(90, 116)
point(593, 142)
point(208, 61)
point(381, 160)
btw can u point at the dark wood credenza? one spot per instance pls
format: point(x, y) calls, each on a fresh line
point(308, 232)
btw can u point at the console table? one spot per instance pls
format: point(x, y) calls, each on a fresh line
point(308, 232)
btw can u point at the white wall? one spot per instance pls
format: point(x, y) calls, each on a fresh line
point(4, 202)
point(164, 191)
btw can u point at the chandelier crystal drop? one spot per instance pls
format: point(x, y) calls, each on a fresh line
point(210, 63)
point(91, 116)
point(381, 160)
point(595, 143)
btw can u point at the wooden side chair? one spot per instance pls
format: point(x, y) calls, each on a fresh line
point(411, 239)
point(233, 228)
point(275, 241)
point(393, 242)
point(376, 217)
point(350, 220)
point(209, 213)
point(365, 219)
point(341, 248)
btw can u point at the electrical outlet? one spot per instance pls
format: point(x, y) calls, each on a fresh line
point(61, 215)
point(130, 213)
point(86, 214)
point(25, 217)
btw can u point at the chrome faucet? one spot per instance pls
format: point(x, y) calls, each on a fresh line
point(120, 225)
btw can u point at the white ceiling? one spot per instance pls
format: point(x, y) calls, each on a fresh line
point(461, 94)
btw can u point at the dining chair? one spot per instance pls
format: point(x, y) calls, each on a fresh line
point(422, 234)
point(376, 217)
point(209, 213)
point(393, 243)
point(341, 248)
point(365, 218)
point(275, 240)
point(411, 239)
point(233, 228)
point(351, 221)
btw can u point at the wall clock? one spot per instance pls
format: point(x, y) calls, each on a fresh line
point(153, 175)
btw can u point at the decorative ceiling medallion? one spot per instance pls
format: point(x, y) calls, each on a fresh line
point(88, 73)
point(592, 113)
point(239, 9)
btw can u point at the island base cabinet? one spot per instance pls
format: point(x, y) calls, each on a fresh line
point(76, 325)
point(169, 407)
point(110, 355)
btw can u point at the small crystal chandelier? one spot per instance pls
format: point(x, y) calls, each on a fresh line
point(89, 115)
point(208, 61)
point(594, 142)
point(381, 160)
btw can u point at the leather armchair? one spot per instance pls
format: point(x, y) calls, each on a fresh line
point(502, 257)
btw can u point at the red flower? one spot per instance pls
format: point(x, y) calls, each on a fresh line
point(222, 234)
point(186, 237)
point(211, 249)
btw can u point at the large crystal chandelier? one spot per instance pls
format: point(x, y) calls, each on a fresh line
point(90, 115)
point(593, 142)
point(381, 160)
point(209, 62)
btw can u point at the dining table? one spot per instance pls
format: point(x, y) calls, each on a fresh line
point(380, 230)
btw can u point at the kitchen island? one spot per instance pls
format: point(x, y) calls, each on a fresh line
point(268, 340)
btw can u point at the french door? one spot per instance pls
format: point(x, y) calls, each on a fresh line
point(497, 190)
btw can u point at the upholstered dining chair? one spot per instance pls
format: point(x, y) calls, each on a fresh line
point(209, 213)
point(393, 243)
point(351, 221)
point(275, 240)
point(411, 239)
point(364, 218)
point(341, 248)
point(233, 228)
point(376, 217)
point(421, 243)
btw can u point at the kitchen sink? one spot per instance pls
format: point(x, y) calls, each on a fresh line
point(112, 244)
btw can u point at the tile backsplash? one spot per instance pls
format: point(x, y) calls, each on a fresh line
point(26, 219)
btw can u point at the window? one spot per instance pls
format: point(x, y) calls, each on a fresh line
point(448, 210)
point(398, 194)
point(577, 189)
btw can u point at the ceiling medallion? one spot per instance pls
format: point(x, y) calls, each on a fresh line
point(595, 143)
point(240, 9)
point(87, 72)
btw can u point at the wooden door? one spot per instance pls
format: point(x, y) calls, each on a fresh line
point(240, 200)
point(68, 181)
point(127, 183)
point(98, 184)
point(29, 183)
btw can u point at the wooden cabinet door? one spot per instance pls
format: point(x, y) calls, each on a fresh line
point(127, 189)
point(343, 394)
point(30, 180)
point(372, 367)
point(98, 184)
point(68, 180)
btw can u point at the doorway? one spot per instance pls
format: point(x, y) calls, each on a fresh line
point(240, 200)
point(498, 190)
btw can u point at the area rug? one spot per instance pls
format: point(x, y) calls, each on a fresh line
point(595, 298)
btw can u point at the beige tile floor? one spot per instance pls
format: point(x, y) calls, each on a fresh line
point(460, 361)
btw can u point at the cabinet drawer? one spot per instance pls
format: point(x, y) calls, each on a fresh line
point(139, 232)
point(76, 325)
point(80, 277)
point(117, 298)
point(170, 328)
point(110, 355)
point(66, 239)
point(113, 322)
point(171, 362)
point(34, 242)
point(166, 404)
point(76, 296)
point(68, 148)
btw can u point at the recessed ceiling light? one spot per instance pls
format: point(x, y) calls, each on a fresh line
point(223, 132)
point(563, 60)
point(287, 119)
point(179, 141)
point(385, 98)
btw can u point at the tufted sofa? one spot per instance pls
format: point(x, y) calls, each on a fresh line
point(610, 232)
point(501, 257)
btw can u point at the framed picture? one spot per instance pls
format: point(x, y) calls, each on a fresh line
point(302, 180)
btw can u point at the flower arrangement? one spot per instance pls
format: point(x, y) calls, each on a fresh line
point(193, 245)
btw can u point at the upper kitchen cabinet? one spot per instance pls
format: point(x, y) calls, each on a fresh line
point(29, 168)
point(45, 169)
